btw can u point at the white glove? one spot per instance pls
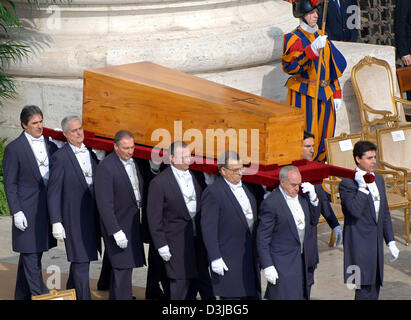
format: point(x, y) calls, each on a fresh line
point(218, 266)
point(165, 253)
point(100, 154)
point(308, 187)
point(58, 231)
point(394, 251)
point(359, 178)
point(318, 43)
point(271, 274)
point(337, 104)
point(20, 220)
point(121, 239)
point(338, 235)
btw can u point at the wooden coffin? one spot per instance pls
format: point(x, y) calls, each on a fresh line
point(160, 105)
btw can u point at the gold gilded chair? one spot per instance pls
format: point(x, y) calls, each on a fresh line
point(373, 86)
point(394, 152)
point(340, 153)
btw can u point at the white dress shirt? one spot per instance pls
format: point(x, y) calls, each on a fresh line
point(242, 199)
point(296, 209)
point(185, 182)
point(372, 187)
point(40, 153)
point(83, 157)
point(130, 167)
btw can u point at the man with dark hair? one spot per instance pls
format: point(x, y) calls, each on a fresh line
point(26, 173)
point(71, 201)
point(284, 235)
point(367, 223)
point(229, 225)
point(325, 209)
point(173, 214)
point(118, 187)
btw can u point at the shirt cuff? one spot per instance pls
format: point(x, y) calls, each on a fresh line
point(315, 203)
point(364, 191)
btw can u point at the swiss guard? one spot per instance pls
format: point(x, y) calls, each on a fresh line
point(302, 49)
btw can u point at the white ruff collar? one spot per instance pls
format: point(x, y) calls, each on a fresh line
point(307, 28)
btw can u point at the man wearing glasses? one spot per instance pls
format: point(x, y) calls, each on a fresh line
point(228, 223)
point(284, 236)
point(173, 213)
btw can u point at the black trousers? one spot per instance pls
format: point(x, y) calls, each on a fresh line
point(120, 284)
point(105, 274)
point(179, 288)
point(202, 284)
point(369, 292)
point(156, 274)
point(79, 280)
point(29, 277)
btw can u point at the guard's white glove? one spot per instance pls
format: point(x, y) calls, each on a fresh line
point(337, 104)
point(58, 231)
point(318, 43)
point(218, 266)
point(308, 187)
point(271, 274)
point(20, 220)
point(165, 253)
point(100, 154)
point(394, 251)
point(121, 239)
point(359, 178)
point(338, 235)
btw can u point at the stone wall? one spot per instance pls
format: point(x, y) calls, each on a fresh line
point(233, 42)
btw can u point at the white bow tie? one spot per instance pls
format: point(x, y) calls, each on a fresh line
point(129, 162)
point(40, 139)
point(237, 186)
point(185, 174)
point(80, 150)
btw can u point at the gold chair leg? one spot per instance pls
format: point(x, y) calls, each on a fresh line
point(407, 225)
point(332, 239)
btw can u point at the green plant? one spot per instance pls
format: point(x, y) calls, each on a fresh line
point(10, 49)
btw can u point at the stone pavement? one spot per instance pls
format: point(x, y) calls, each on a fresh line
point(328, 277)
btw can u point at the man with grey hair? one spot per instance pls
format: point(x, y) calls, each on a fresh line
point(228, 223)
point(72, 205)
point(173, 214)
point(283, 236)
point(119, 193)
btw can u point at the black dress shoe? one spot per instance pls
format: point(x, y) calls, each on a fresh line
point(134, 298)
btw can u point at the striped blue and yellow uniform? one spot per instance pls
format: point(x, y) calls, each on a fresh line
point(301, 63)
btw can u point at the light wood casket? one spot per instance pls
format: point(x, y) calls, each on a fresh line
point(160, 105)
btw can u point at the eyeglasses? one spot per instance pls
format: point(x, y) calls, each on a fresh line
point(238, 170)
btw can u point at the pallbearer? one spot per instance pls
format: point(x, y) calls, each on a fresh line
point(72, 206)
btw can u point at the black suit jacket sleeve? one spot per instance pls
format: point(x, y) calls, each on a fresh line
point(10, 179)
point(266, 224)
point(402, 27)
point(104, 190)
point(155, 207)
point(54, 189)
point(325, 207)
point(353, 200)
